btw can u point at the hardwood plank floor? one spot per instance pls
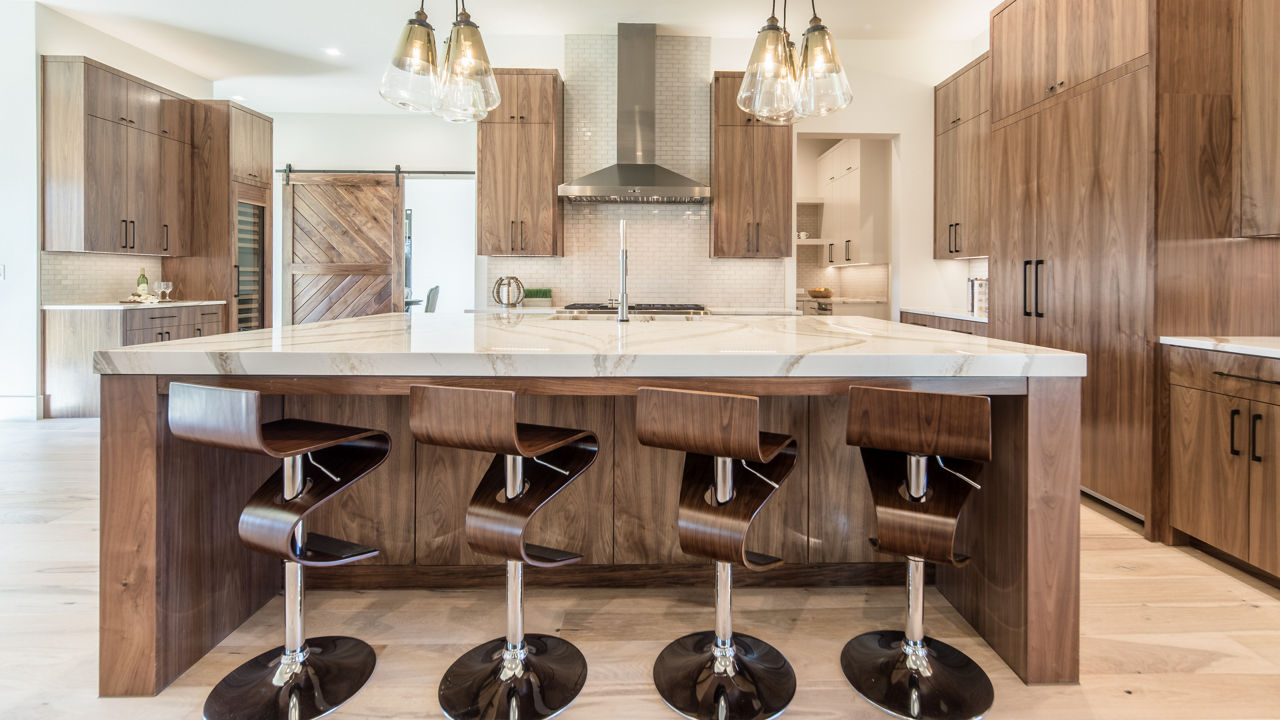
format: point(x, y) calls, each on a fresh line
point(1167, 632)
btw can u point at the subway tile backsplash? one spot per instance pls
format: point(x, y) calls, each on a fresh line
point(668, 255)
point(68, 278)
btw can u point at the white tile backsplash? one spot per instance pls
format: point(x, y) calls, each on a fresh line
point(668, 255)
point(72, 278)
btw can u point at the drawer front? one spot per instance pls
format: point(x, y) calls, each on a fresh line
point(1224, 373)
point(162, 317)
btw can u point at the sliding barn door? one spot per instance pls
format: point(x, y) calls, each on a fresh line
point(343, 246)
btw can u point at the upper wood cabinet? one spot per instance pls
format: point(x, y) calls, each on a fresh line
point(250, 146)
point(116, 161)
point(724, 99)
point(519, 167)
point(528, 96)
point(1260, 119)
point(751, 180)
point(961, 180)
point(963, 96)
point(1040, 48)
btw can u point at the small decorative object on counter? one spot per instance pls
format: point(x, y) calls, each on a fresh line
point(978, 296)
point(820, 292)
point(143, 285)
point(508, 291)
point(537, 297)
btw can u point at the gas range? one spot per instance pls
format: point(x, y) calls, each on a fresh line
point(643, 308)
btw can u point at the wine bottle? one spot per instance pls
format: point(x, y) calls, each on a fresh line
point(142, 281)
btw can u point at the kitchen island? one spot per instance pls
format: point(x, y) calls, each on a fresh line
point(175, 578)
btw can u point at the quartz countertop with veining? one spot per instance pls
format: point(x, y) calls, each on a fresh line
point(526, 345)
point(1267, 347)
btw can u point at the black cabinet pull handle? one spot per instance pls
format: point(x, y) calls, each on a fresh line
point(166, 237)
point(124, 234)
point(236, 273)
point(1233, 376)
point(521, 117)
point(1234, 414)
point(1039, 263)
point(950, 228)
point(511, 236)
point(748, 236)
point(757, 237)
point(846, 251)
point(198, 333)
point(521, 234)
point(159, 337)
point(133, 234)
point(830, 248)
point(1253, 438)
point(957, 237)
point(1026, 265)
point(124, 119)
point(166, 335)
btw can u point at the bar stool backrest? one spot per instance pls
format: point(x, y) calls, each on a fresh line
point(221, 417)
point(704, 423)
point(920, 423)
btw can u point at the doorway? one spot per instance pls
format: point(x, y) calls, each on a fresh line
point(440, 240)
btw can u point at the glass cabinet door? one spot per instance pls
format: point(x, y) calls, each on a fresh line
point(249, 268)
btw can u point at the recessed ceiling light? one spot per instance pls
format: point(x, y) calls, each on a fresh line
point(332, 52)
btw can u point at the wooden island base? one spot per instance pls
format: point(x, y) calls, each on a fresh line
point(175, 579)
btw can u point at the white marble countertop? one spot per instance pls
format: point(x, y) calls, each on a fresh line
point(491, 310)
point(1267, 347)
point(133, 306)
point(837, 300)
point(953, 313)
point(479, 345)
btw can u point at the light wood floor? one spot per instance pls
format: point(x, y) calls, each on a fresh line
point(1167, 632)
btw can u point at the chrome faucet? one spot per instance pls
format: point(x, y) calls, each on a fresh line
point(622, 271)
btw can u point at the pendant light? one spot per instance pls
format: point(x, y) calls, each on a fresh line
point(793, 68)
point(823, 87)
point(468, 88)
point(769, 88)
point(411, 80)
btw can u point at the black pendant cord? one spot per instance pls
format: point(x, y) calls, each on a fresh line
point(814, 5)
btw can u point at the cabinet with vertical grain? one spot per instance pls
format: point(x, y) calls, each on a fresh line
point(751, 179)
point(116, 158)
point(519, 166)
point(961, 147)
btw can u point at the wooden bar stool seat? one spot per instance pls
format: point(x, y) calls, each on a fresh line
point(306, 677)
point(731, 470)
point(909, 438)
point(522, 676)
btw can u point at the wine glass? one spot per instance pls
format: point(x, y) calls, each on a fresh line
point(163, 288)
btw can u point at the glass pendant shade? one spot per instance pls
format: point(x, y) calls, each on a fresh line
point(411, 80)
point(468, 88)
point(769, 89)
point(824, 88)
point(793, 67)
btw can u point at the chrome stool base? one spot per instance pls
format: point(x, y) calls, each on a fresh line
point(760, 685)
point(476, 687)
point(335, 669)
point(956, 689)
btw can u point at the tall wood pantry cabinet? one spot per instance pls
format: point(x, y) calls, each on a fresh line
point(519, 166)
point(962, 106)
point(116, 161)
point(231, 259)
point(751, 179)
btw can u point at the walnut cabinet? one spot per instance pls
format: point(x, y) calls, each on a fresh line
point(961, 178)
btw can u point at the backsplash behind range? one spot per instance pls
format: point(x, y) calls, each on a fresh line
point(669, 260)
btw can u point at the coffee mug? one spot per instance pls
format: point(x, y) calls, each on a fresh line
point(802, 236)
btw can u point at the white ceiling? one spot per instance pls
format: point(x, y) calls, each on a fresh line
point(259, 48)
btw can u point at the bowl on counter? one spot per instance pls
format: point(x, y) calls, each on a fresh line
point(820, 292)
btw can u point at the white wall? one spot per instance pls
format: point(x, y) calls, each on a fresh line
point(444, 240)
point(19, 205)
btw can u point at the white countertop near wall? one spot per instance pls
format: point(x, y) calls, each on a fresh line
point(712, 310)
point(1267, 347)
point(953, 313)
point(134, 306)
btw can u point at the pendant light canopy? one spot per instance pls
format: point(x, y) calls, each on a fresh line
point(468, 88)
point(823, 88)
point(769, 87)
point(411, 80)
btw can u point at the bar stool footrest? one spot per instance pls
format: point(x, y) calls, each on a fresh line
point(760, 561)
point(324, 551)
point(541, 556)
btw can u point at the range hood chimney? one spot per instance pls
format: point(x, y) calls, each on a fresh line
point(636, 177)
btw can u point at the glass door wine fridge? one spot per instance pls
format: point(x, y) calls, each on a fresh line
point(249, 275)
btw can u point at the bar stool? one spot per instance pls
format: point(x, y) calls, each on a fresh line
point(731, 469)
point(904, 435)
point(521, 676)
point(306, 677)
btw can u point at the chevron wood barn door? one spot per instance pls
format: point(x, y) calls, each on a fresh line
point(343, 246)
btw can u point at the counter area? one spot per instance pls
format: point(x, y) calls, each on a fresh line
point(169, 508)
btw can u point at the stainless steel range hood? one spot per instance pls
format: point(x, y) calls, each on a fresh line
point(636, 178)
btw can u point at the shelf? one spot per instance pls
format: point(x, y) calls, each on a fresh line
point(811, 201)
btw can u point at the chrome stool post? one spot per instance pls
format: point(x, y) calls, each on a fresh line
point(719, 674)
point(904, 672)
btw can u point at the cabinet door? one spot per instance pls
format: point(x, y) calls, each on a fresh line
point(536, 183)
point(1095, 36)
point(1264, 484)
point(497, 195)
point(509, 107)
point(261, 130)
point(144, 336)
point(964, 98)
point(175, 118)
point(946, 107)
point(106, 94)
point(773, 181)
point(945, 194)
point(539, 100)
point(1014, 158)
point(175, 188)
point(972, 188)
point(210, 323)
point(733, 181)
point(106, 191)
point(1209, 468)
point(250, 148)
point(144, 108)
point(1260, 119)
point(726, 102)
point(146, 193)
point(1022, 56)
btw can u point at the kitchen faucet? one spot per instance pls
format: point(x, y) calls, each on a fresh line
point(622, 271)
